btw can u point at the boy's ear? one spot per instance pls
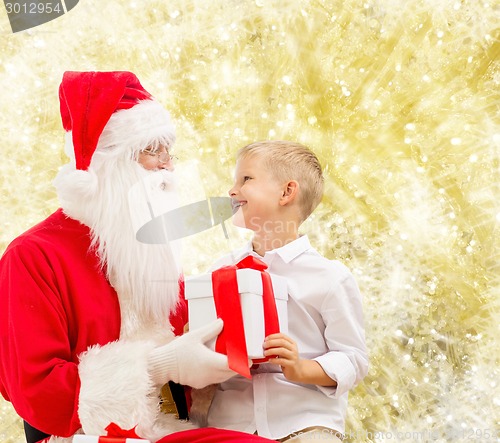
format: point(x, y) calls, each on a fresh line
point(290, 192)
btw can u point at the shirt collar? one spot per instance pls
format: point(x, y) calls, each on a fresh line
point(287, 253)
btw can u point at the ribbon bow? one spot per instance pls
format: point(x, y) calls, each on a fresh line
point(231, 340)
point(116, 432)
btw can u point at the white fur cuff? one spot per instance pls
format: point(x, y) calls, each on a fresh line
point(116, 387)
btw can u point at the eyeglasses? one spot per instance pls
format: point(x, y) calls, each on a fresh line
point(162, 157)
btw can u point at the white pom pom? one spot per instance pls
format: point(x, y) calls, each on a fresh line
point(73, 188)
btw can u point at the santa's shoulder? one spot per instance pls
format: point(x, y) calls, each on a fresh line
point(57, 232)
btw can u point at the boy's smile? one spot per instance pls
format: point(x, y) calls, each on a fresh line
point(236, 204)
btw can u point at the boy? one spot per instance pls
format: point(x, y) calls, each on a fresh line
point(300, 394)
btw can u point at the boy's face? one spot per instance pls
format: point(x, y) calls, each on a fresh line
point(255, 196)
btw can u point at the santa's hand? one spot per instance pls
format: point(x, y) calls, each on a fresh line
point(188, 361)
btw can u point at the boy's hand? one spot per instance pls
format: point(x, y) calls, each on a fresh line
point(283, 351)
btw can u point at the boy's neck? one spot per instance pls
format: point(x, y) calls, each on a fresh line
point(264, 242)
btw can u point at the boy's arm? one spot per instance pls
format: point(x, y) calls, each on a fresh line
point(346, 364)
point(342, 312)
point(283, 351)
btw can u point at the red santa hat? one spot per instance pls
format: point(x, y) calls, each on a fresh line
point(88, 100)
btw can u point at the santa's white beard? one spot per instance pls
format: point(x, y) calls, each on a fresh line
point(145, 276)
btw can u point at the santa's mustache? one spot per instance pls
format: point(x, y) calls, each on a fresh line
point(152, 196)
point(161, 179)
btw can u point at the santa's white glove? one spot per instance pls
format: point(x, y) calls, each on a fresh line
point(188, 361)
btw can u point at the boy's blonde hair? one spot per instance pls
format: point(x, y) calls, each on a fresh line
point(288, 160)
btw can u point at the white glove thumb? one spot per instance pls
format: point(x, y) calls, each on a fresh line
point(188, 361)
point(208, 332)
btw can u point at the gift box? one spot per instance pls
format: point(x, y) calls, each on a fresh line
point(95, 439)
point(202, 310)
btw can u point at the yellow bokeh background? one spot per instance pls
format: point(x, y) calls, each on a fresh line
point(400, 100)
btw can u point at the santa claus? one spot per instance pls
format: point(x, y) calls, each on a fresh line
point(86, 311)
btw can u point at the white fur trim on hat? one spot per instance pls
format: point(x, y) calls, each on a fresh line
point(137, 127)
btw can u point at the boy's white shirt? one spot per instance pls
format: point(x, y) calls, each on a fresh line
point(325, 318)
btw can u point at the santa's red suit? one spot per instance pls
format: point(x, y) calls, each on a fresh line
point(46, 282)
point(78, 351)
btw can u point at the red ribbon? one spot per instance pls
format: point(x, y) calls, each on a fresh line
point(231, 340)
point(117, 434)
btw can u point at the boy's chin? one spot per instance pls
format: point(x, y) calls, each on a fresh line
point(238, 219)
